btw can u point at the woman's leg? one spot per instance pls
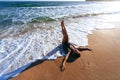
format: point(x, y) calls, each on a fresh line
point(65, 39)
point(64, 32)
point(84, 49)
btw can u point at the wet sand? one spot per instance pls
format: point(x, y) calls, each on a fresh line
point(103, 63)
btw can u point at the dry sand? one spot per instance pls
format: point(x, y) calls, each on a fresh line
point(103, 63)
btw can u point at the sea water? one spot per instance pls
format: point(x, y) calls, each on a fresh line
point(31, 30)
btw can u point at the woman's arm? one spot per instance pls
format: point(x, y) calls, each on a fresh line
point(64, 61)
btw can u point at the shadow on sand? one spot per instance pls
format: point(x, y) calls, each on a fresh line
point(72, 57)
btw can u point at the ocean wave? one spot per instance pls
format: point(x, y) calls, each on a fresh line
point(7, 22)
point(21, 15)
point(41, 19)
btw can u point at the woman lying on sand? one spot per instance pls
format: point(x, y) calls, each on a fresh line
point(68, 47)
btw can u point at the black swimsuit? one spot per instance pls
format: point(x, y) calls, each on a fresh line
point(66, 47)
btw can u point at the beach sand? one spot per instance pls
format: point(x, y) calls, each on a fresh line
point(103, 63)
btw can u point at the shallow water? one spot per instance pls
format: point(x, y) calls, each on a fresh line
point(23, 40)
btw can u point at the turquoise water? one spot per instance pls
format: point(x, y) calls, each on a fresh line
point(31, 30)
point(38, 3)
point(12, 13)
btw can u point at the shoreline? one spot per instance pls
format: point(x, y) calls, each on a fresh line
point(101, 64)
